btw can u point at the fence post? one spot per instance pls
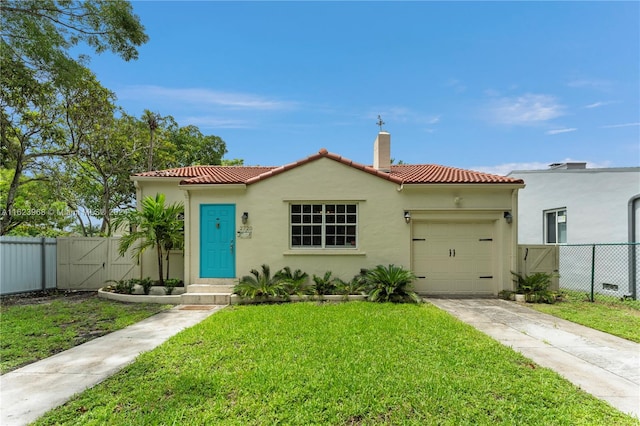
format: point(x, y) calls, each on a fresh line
point(593, 270)
point(632, 271)
point(43, 263)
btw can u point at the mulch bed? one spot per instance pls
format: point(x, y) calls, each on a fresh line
point(46, 296)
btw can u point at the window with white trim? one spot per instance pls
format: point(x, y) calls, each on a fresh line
point(317, 225)
point(555, 226)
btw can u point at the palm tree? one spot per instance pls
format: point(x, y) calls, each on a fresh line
point(155, 226)
point(153, 121)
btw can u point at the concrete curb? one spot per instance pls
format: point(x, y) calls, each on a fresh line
point(173, 299)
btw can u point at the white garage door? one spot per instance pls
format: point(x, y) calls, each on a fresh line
point(453, 258)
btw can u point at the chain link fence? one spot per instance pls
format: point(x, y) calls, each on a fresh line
point(601, 270)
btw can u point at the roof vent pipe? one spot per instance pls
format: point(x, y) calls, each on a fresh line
point(568, 166)
point(382, 152)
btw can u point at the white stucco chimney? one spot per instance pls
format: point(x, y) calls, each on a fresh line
point(382, 152)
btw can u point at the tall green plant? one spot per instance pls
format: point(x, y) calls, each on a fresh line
point(535, 287)
point(391, 284)
point(325, 284)
point(357, 285)
point(527, 284)
point(260, 284)
point(294, 282)
point(154, 226)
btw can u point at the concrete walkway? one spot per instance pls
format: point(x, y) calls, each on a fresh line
point(29, 392)
point(603, 365)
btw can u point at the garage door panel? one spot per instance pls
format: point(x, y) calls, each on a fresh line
point(454, 258)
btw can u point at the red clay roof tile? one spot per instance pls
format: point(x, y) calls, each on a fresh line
point(400, 174)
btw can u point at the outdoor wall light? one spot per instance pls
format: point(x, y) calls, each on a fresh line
point(407, 217)
point(508, 217)
point(245, 218)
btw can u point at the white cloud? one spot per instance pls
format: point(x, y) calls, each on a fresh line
point(492, 93)
point(558, 131)
point(613, 126)
point(215, 122)
point(201, 96)
point(592, 83)
point(457, 85)
point(598, 104)
point(434, 119)
point(403, 115)
point(528, 109)
point(506, 168)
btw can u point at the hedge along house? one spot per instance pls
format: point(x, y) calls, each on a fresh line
point(456, 229)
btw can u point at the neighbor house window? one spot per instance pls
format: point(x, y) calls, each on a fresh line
point(555, 225)
point(324, 225)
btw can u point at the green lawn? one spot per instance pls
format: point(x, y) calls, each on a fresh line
point(33, 332)
point(608, 314)
point(354, 363)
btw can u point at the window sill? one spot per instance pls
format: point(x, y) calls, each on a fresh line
point(325, 252)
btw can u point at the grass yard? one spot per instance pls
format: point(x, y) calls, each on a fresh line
point(31, 332)
point(353, 363)
point(608, 314)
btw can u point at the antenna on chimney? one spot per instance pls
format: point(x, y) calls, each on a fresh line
point(380, 122)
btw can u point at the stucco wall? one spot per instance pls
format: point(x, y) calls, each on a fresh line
point(596, 201)
point(383, 235)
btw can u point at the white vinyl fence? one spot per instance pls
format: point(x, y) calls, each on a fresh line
point(27, 264)
point(75, 263)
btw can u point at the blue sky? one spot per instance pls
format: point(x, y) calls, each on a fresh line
point(487, 86)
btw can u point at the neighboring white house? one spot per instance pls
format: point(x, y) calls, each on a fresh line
point(571, 204)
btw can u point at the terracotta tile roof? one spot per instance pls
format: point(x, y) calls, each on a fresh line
point(210, 174)
point(400, 174)
point(323, 153)
point(431, 173)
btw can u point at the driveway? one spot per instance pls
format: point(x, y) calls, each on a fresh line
point(606, 366)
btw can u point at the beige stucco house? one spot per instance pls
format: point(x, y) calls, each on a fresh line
point(456, 229)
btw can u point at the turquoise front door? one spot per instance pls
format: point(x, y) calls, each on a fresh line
point(217, 241)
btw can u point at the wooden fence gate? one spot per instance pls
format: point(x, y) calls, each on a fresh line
point(88, 263)
point(540, 258)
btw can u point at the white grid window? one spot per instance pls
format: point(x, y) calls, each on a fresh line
point(324, 225)
point(555, 226)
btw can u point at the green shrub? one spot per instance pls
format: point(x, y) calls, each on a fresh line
point(357, 285)
point(170, 285)
point(391, 284)
point(324, 285)
point(506, 294)
point(294, 282)
point(260, 284)
point(535, 287)
point(146, 283)
point(121, 286)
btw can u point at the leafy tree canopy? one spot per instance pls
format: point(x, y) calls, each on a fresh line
point(36, 36)
point(193, 148)
point(36, 211)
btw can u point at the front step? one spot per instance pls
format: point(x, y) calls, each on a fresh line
point(205, 298)
point(210, 288)
point(207, 294)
